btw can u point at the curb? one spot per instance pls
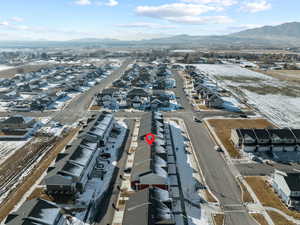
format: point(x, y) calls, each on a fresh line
point(198, 164)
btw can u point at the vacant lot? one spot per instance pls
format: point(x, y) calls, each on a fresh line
point(27, 182)
point(246, 195)
point(40, 193)
point(238, 79)
point(218, 219)
point(223, 127)
point(279, 219)
point(267, 196)
point(209, 197)
point(20, 69)
point(287, 75)
point(95, 107)
point(288, 90)
point(259, 218)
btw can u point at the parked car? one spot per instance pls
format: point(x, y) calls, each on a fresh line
point(218, 148)
point(197, 120)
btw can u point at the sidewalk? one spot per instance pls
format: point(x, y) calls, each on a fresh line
point(125, 184)
point(238, 176)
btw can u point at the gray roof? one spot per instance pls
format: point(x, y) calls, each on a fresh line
point(73, 161)
point(98, 125)
point(137, 209)
point(36, 211)
point(18, 119)
point(146, 207)
point(293, 181)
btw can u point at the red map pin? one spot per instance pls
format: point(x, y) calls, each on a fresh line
point(150, 138)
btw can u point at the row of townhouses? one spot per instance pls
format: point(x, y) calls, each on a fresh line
point(67, 179)
point(204, 89)
point(75, 166)
point(153, 169)
point(264, 140)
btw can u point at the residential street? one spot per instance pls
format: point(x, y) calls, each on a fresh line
point(78, 107)
point(216, 172)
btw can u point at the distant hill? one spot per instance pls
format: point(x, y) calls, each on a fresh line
point(284, 35)
point(288, 33)
point(284, 30)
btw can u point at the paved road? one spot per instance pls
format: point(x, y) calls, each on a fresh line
point(216, 172)
point(79, 106)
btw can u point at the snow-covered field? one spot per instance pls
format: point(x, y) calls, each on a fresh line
point(276, 99)
point(8, 148)
point(4, 67)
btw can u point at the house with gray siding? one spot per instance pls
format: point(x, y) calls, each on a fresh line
point(266, 140)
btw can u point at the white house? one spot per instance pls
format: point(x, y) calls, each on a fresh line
point(287, 186)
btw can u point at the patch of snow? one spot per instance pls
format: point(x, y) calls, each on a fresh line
point(281, 109)
point(195, 215)
point(8, 148)
point(5, 67)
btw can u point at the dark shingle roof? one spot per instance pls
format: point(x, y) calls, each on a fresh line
point(281, 133)
point(36, 211)
point(293, 181)
point(137, 208)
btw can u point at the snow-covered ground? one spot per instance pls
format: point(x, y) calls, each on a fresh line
point(96, 187)
point(283, 110)
point(195, 213)
point(8, 148)
point(232, 104)
point(4, 67)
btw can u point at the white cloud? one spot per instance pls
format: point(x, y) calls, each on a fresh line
point(174, 10)
point(23, 27)
point(83, 2)
point(245, 27)
point(112, 3)
point(17, 19)
point(256, 6)
point(146, 25)
point(219, 2)
point(184, 13)
point(4, 23)
point(198, 20)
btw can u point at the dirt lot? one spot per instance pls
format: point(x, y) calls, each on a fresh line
point(39, 193)
point(95, 107)
point(218, 219)
point(279, 219)
point(267, 196)
point(16, 195)
point(17, 161)
point(223, 127)
point(21, 69)
point(209, 197)
point(287, 75)
point(259, 218)
point(246, 195)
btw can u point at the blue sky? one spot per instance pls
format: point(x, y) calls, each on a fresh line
point(137, 19)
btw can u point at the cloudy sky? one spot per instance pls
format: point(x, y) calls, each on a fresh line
point(137, 19)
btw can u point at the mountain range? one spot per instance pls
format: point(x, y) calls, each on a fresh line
point(280, 36)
